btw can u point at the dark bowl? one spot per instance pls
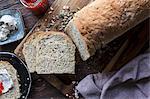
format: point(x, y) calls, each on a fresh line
point(22, 70)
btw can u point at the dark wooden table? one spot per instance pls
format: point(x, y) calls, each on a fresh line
point(41, 89)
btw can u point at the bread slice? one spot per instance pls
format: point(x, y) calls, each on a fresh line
point(104, 20)
point(14, 93)
point(29, 51)
point(55, 54)
point(50, 52)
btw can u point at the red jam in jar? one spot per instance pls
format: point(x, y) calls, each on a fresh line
point(37, 6)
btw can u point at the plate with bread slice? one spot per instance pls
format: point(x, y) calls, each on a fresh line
point(15, 80)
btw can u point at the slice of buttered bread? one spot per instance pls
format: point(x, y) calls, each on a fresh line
point(13, 93)
point(53, 52)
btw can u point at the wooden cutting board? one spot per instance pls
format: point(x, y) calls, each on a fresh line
point(64, 82)
point(41, 26)
point(92, 65)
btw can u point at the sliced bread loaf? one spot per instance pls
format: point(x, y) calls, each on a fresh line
point(104, 20)
point(52, 52)
point(13, 93)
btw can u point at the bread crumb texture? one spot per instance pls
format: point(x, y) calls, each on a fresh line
point(52, 52)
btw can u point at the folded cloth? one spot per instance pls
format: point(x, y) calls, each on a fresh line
point(132, 81)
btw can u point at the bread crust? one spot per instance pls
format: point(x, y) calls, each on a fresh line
point(102, 21)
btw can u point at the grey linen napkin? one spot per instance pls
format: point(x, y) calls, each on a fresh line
point(132, 81)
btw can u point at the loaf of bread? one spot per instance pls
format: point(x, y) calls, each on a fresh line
point(52, 52)
point(13, 93)
point(104, 20)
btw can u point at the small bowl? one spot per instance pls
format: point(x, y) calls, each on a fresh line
point(20, 32)
point(22, 70)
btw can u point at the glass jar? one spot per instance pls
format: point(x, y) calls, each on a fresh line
point(36, 6)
